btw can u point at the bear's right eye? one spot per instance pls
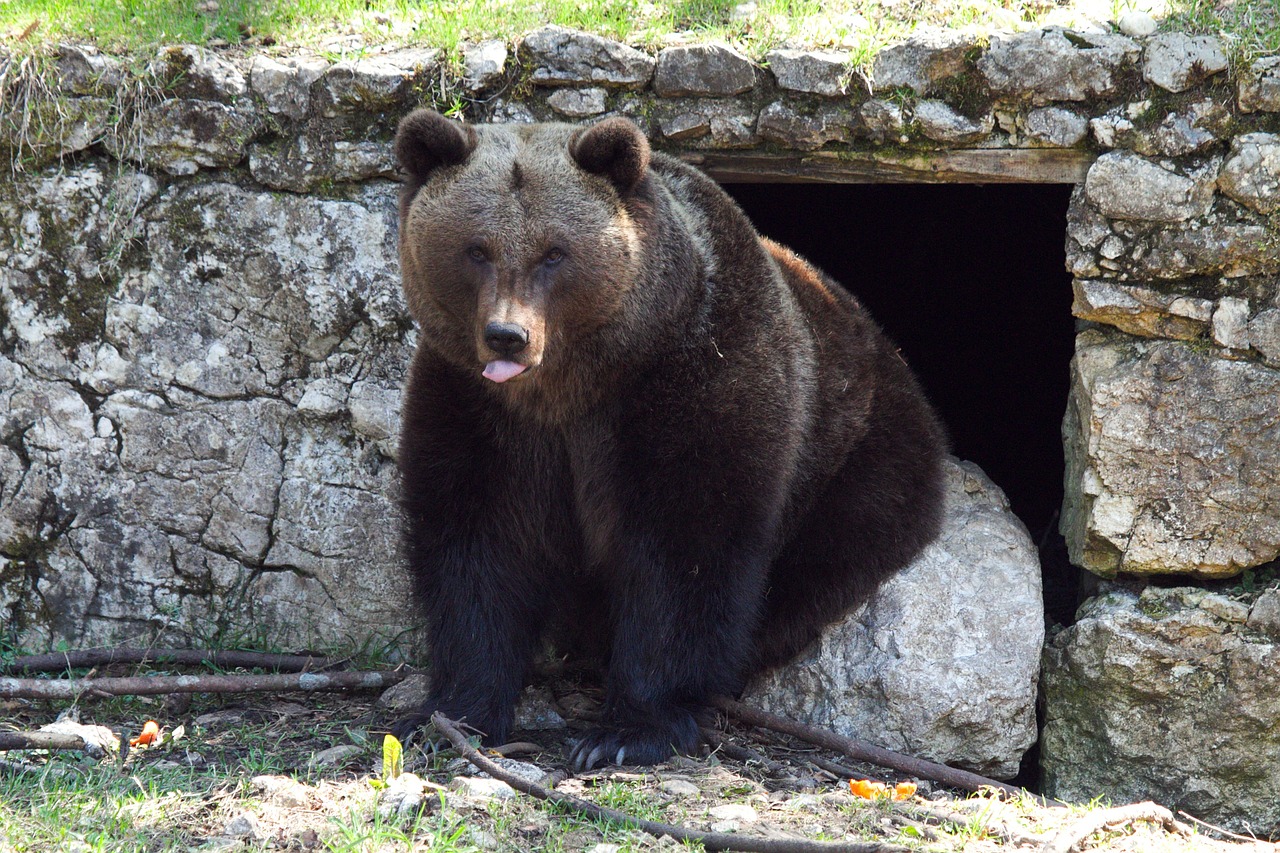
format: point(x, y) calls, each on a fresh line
point(477, 254)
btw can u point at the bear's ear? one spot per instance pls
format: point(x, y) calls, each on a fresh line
point(614, 148)
point(426, 140)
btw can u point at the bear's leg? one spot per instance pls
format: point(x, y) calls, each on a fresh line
point(682, 632)
point(484, 617)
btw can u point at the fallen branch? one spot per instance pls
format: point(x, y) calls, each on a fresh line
point(1226, 833)
point(723, 745)
point(859, 751)
point(709, 840)
point(152, 685)
point(85, 658)
point(1000, 830)
point(1069, 838)
point(41, 740)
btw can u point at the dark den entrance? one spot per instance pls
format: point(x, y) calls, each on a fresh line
point(970, 282)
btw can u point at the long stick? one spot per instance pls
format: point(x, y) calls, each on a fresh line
point(59, 661)
point(40, 740)
point(859, 751)
point(709, 840)
point(152, 685)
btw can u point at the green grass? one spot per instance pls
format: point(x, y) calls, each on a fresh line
point(343, 27)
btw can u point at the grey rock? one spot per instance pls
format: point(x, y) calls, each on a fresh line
point(181, 136)
point(1231, 323)
point(883, 120)
point(1182, 132)
point(708, 122)
point(408, 695)
point(374, 84)
point(1251, 174)
point(1127, 186)
point(738, 812)
point(52, 129)
point(404, 796)
point(308, 162)
point(194, 72)
point(242, 826)
point(82, 70)
point(1056, 127)
point(1154, 696)
point(714, 70)
point(1141, 310)
point(564, 57)
point(478, 788)
point(1052, 65)
point(281, 790)
point(941, 123)
point(335, 756)
point(484, 65)
point(285, 87)
point(578, 103)
point(782, 123)
point(536, 712)
point(1264, 335)
point(1259, 88)
point(1176, 61)
point(521, 769)
point(679, 788)
point(820, 72)
point(1168, 466)
point(929, 56)
point(1264, 616)
point(934, 665)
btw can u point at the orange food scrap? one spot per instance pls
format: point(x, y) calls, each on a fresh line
point(870, 790)
point(150, 734)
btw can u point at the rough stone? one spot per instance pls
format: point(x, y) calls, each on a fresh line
point(1141, 310)
point(578, 103)
point(484, 65)
point(1127, 186)
point(50, 130)
point(1231, 323)
point(714, 70)
point(1264, 335)
point(941, 123)
point(820, 72)
point(335, 756)
point(1155, 696)
point(1056, 127)
point(708, 122)
point(1176, 61)
point(285, 87)
point(739, 812)
point(682, 788)
point(883, 120)
point(203, 500)
point(281, 790)
point(482, 788)
point(1264, 616)
point(199, 74)
point(922, 61)
point(403, 796)
point(935, 665)
point(180, 136)
point(82, 70)
point(565, 57)
point(1048, 65)
point(782, 123)
point(1259, 88)
point(307, 162)
point(1251, 174)
point(1170, 467)
point(374, 84)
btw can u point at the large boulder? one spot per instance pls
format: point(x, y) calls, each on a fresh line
point(1169, 695)
point(943, 662)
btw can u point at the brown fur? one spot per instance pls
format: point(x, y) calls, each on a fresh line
point(712, 451)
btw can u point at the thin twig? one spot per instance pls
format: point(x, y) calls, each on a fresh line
point(1223, 832)
point(84, 658)
point(709, 840)
point(859, 751)
point(741, 753)
point(1068, 838)
point(152, 685)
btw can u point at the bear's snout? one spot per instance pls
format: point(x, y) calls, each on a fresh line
point(506, 339)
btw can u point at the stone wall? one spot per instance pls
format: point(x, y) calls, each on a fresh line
point(202, 337)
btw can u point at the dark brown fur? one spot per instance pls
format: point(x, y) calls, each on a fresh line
point(712, 451)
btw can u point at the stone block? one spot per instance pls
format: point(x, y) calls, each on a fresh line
point(1051, 65)
point(1251, 174)
point(1258, 89)
point(929, 56)
point(1126, 186)
point(713, 70)
point(565, 57)
point(1176, 61)
point(819, 72)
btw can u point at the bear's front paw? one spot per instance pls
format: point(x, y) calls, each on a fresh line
point(635, 744)
point(405, 728)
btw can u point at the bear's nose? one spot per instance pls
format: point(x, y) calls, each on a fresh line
point(506, 339)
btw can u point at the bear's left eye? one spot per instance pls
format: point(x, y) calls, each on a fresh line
point(553, 257)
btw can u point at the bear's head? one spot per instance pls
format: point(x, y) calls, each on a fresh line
point(524, 247)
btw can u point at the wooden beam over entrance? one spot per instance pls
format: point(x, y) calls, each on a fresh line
point(953, 166)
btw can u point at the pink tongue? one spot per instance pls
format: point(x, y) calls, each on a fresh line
point(501, 371)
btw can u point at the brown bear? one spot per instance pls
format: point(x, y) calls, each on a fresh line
point(635, 425)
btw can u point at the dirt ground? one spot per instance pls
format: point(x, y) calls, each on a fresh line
point(302, 772)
